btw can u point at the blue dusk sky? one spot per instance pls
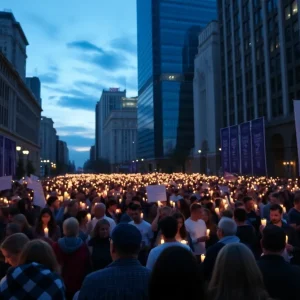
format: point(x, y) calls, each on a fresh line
point(77, 48)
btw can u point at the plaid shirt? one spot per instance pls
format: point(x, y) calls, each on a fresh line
point(31, 281)
point(124, 279)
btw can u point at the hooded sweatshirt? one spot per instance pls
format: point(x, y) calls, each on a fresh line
point(73, 256)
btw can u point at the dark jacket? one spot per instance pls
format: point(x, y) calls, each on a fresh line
point(247, 236)
point(100, 253)
point(73, 256)
point(281, 279)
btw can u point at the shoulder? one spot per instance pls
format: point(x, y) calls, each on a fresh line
point(146, 224)
point(215, 248)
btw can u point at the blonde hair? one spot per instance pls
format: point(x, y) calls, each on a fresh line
point(22, 221)
point(40, 252)
point(15, 243)
point(236, 275)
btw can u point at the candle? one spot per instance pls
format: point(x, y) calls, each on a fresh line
point(118, 210)
point(217, 210)
point(88, 217)
point(286, 239)
point(263, 222)
point(184, 242)
point(162, 241)
point(202, 257)
point(255, 206)
point(142, 215)
point(207, 232)
point(46, 231)
point(284, 210)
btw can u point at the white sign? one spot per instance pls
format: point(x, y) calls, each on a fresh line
point(5, 183)
point(38, 197)
point(156, 193)
point(297, 124)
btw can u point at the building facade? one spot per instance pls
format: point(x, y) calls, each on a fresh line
point(167, 44)
point(62, 156)
point(34, 84)
point(120, 135)
point(93, 153)
point(20, 115)
point(13, 42)
point(48, 140)
point(110, 100)
point(207, 101)
point(260, 67)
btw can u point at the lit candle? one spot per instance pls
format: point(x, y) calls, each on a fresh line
point(162, 241)
point(217, 210)
point(184, 242)
point(46, 231)
point(88, 217)
point(207, 232)
point(286, 239)
point(255, 206)
point(202, 257)
point(263, 222)
point(142, 215)
point(118, 210)
point(284, 210)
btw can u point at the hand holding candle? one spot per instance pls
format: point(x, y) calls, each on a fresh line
point(263, 222)
point(202, 257)
point(88, 217)
point(207, 232)
point(46, 232)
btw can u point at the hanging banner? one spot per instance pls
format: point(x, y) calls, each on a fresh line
point(1, 156)
point(225, 149)
point(246, 149)
point(258, 147)
point(234, 146)
point(297, 125)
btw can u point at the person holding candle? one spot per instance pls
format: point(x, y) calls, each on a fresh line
point(46, 226)
point(182, 235)
point(83, 217)
point(211, 230)
point(54, 205)
point(112, 206)
point(253, 215)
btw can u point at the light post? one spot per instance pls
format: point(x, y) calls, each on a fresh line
point(26, 153)
point(199, 151)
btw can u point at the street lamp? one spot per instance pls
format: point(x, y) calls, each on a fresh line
point(25, 152)
point(220, 149)
point(142, 159)
point(18, 148)
point(199, 151)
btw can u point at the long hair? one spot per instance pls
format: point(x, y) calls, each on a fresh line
point(22, 221)
point(95, 232)
point(236, 275)
point(184, 208)
point(40, 252)
point(182, 230)
point(51, 225)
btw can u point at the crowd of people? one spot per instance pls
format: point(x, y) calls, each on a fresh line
point(98, 237)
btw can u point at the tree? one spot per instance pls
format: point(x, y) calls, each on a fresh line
point(20, 171)
point(30, 168)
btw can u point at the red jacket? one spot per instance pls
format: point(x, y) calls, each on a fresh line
point(73, 256)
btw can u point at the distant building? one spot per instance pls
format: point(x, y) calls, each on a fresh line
point(93, 153)
point(62, 156)
point(207, 101)
point(20, 116)
point(34, 85)
point(120, 134)
point(110, 100)
point(13, 42)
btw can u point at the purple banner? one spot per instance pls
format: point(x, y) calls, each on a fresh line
point(234, 149)
point(246, 150)
point(258, 147)
point(1, 156)
point(225, 149)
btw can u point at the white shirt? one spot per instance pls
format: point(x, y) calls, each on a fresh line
point(145, 230)
point(196, 230)
point(156, 252)
point(94, 221)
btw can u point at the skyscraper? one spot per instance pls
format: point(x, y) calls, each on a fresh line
point(34, 84)
point(167, 44)
point(260, 67)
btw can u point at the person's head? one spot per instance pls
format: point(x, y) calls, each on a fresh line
point(276, 212)
point(71, 227)
point(180, 224)
point(239, 204)
point(273, 240)
point(125, 241)
point(40, 252)
point(46, 218)
point(12, 246)
point(13, 211)
point(73, 208)
point(193, 199)
point(136, 213)
point(227, 214)
point(53, 202)
point(166, 211)
point(136, 200)
point(21, 221)
point(206, 215)
point(82, 217)
point(205, 199)
point(168, 227)
point(274, 198)
point(99, 210)
point(12, 228)
point(101, 229)
point(297, 200)
point(236, 275)
point(112, 205)
point(169, 266)
point(240, 216)
point(226, 227)
point(249, 203)
point(196, 211)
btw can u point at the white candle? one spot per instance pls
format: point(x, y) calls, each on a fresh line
point(88, 217)
point(255, 206)
point(46, 231)
point(263, 222)
point(217, 210)
point(286, 239)
point(184, 242)
point(202, 257)
point(142, 215)
point(284, 210)
point(207, 232)
point(162, 241)
point(118, 210)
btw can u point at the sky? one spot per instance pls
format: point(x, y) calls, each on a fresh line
point(77, 48)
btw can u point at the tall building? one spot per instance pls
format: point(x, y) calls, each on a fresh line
point(34, 85)
point(110, 100)
point(207, 109)
point(167, 44)
point(20, 116)
point(13, 42)
point(93, 153)
point(260, 67)
point(120, 134)
point(62, 156)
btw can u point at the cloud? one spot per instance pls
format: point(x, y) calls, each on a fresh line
point(48, 78)
point(85, 45)
point(85, 103)
point(125, 44)
point(89, 84)
point(79, 149)
point(49, 28)
point(79, 133)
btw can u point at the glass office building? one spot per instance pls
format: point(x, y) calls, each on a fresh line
point(167, 44)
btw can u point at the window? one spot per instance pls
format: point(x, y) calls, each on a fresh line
point(287, 12)
point(294, 7)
